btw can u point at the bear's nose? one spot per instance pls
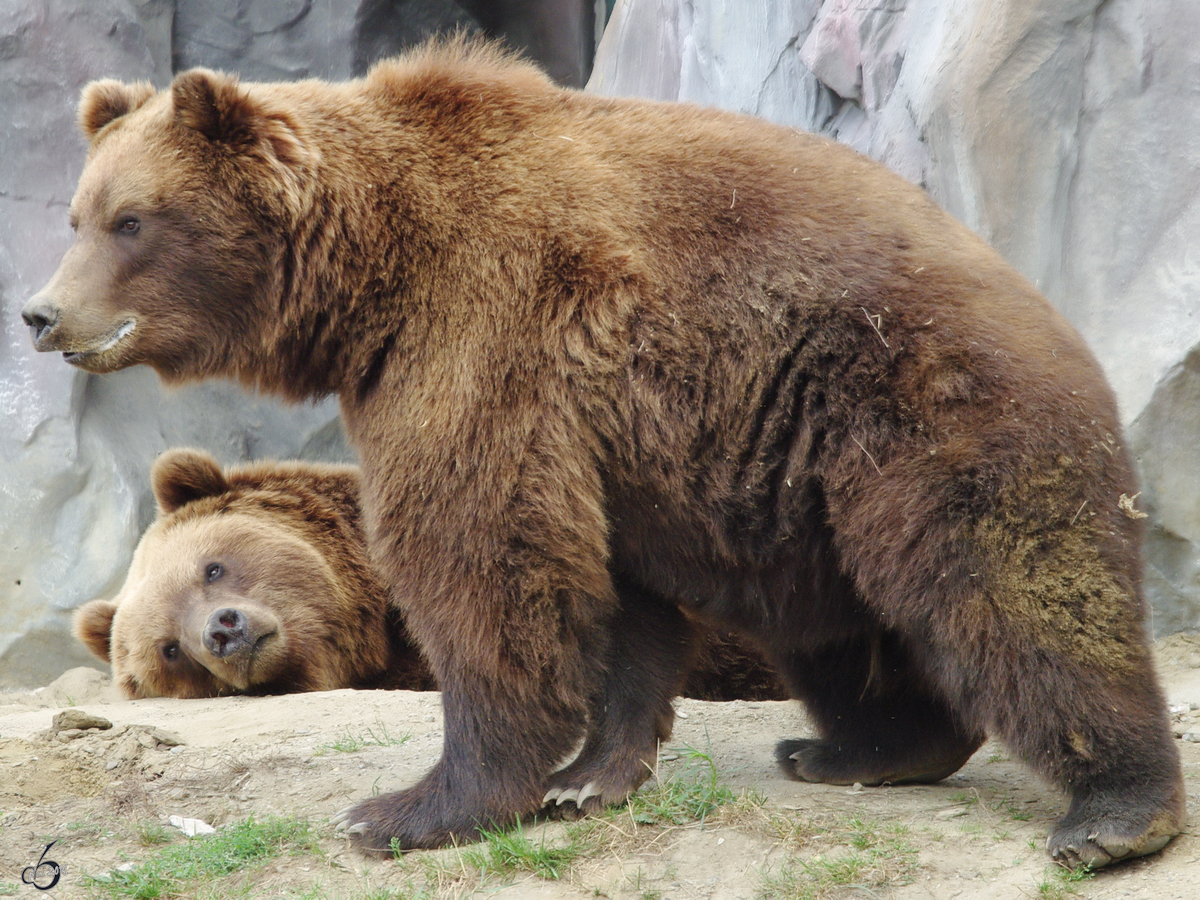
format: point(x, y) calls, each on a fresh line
point(225, 633)
point(41, 316)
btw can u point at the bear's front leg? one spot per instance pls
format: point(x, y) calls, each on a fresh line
point(498, 748)
point(630, 712)
point(499, 568)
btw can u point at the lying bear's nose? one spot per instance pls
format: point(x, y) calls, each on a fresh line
point(225, 633)
point(41, 316)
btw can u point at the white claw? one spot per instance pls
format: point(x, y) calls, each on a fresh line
point(568, 796)
point(550, 795)
point(340, 818)
point(360, 828)
point(589, 790)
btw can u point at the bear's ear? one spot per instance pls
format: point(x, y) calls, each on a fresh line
point(93, 626)
point(107, 100)
point(181, 476)
point(215, 105)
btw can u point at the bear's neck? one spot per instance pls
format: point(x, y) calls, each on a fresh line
point(412, 237)
point(343, 283)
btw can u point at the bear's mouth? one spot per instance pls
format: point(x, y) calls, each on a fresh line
point(126, 328)
point(250, 663)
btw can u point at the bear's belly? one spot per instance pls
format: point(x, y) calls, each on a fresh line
point(750, 576)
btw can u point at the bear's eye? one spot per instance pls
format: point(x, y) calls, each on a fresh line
point(213, 571)
point(170, 651)
point(128, 225)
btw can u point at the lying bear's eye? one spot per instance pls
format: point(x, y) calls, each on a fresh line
point(212, 572)
point(129, 225)
point(170, 651)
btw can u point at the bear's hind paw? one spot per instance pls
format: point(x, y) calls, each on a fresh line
point(829, 762)
point(1091, 846)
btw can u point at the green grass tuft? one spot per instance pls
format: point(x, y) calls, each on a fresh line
point(879, 856)
point(1060, 883)
point(374, 737)
point(151, 834)
point(688, 795)
point(510, 852)
point(173, 871)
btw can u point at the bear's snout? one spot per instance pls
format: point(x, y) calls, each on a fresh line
point(41, 316)
point(227, 633)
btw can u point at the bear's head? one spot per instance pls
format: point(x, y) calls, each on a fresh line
point(253, 581)
point(179, 220)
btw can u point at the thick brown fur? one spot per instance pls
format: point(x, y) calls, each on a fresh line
point(738, 369)
point(328, 626)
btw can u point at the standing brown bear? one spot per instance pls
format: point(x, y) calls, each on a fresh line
point(740, 369)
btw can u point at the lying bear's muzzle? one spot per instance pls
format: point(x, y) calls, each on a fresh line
point(227, 634)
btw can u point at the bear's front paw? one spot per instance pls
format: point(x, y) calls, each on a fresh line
point(593, 782)
point(366, 826)
point(1077, 847)
point(404, 820)
point(572, 802)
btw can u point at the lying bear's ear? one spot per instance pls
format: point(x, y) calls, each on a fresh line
point(107, 100)
point(93, 626)
point(215, 105)
point(181, 476)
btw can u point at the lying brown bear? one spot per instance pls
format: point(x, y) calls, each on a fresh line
point(605, 361)
point(256, 580)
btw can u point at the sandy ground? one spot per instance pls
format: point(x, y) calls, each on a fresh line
point(978, 834)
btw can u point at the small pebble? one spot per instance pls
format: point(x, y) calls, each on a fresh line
point(166, 738)
point(953, 812)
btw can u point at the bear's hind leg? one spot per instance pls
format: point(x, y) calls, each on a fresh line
point(1093, 721)
point(1066, 679)
point(878, 722)
point(1100, 732)
point(1032, 625)
point(651, 645)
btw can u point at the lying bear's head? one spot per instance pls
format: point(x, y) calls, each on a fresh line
point(253, 581)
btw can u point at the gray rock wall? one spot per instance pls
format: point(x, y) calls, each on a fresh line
point(1062, 131)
